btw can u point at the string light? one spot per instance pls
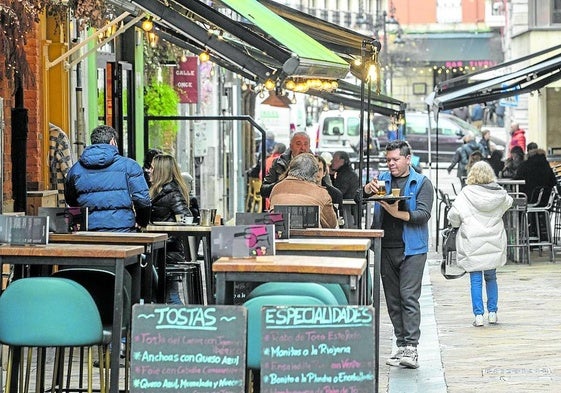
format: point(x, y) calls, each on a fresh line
point(147, 24)
point(302, 85)
point(269, 84)
point(204, 56)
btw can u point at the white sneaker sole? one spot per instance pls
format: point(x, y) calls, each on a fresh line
point(394, 362)
point(408, 363)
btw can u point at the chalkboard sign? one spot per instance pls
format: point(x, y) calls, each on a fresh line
point(242, 241)
point(317, 349)
point(24, 230)
point(196, 349)
point(65, 219)
point(301, 216)
point(279, 220)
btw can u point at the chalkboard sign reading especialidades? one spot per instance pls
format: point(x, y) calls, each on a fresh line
point(317, 349)
point(196, 349)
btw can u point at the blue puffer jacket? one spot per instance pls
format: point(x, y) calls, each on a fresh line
point(111, 186)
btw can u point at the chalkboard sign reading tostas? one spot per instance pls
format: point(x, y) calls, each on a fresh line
point(317, 349)
point(195, 349)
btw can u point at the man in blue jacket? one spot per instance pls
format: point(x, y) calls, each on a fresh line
point(404, 247)
point(110, 185)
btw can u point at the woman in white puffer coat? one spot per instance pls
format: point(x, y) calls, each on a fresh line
point(481, 240)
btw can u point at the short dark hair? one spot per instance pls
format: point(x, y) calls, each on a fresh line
point(149, 156)
point(531, 146)
point(103, 134)
point(403, 146)
point(343, 155)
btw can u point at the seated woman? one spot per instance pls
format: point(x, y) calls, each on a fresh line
point(170, 197)
point(300, 187)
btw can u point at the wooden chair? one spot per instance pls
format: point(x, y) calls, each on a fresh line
point(254, 200)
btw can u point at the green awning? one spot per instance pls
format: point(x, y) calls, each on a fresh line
point(311, 59)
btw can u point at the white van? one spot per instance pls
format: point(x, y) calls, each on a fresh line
point(340, 130)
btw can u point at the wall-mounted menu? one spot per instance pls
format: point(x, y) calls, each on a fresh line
point(196, 349)
point(317, 349)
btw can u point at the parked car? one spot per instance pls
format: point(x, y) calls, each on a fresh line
point(340, 130)
point(451, 129)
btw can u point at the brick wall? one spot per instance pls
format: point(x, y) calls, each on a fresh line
point(33, 101)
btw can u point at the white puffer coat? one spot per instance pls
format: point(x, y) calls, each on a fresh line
point(481, 241)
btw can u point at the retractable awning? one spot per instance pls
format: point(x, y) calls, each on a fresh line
point(343, 41)
point(513, 79)
point(310, 58)
point(278, 49)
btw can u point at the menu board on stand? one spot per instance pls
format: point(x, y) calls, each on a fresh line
point(317, 349)
point(196, 349)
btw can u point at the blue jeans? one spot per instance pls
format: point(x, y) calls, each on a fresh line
point(491, 287)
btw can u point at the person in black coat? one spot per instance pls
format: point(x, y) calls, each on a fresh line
point(345, 179)
point(496, 161)
point(335, 194)
point(537, 174)
point(299, 143)
point(170, 196)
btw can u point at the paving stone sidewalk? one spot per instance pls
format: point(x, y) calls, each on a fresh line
point(519, 354)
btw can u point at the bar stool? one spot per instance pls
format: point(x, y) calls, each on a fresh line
point(556, 210)
point(99, 283)
point(48, 312)
point(542, 218)
point(186, 273)
point(516, 227)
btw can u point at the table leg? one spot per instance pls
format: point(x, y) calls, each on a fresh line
point(117, 327)
point(354, 290)
point(210, 288)
point(162, 289)
point(147, 266)
point(376, 300)
point(220, 289)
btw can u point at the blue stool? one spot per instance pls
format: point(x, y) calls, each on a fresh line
point(328, 293)
point(48, 312)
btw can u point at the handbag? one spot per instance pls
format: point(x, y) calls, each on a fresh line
point(449, 265)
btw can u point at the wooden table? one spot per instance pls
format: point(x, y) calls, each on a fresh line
point(184, 232)
point(339, 247)
point(376, 236)
point(287, 268)
point(152, 242)
point(114, 257)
